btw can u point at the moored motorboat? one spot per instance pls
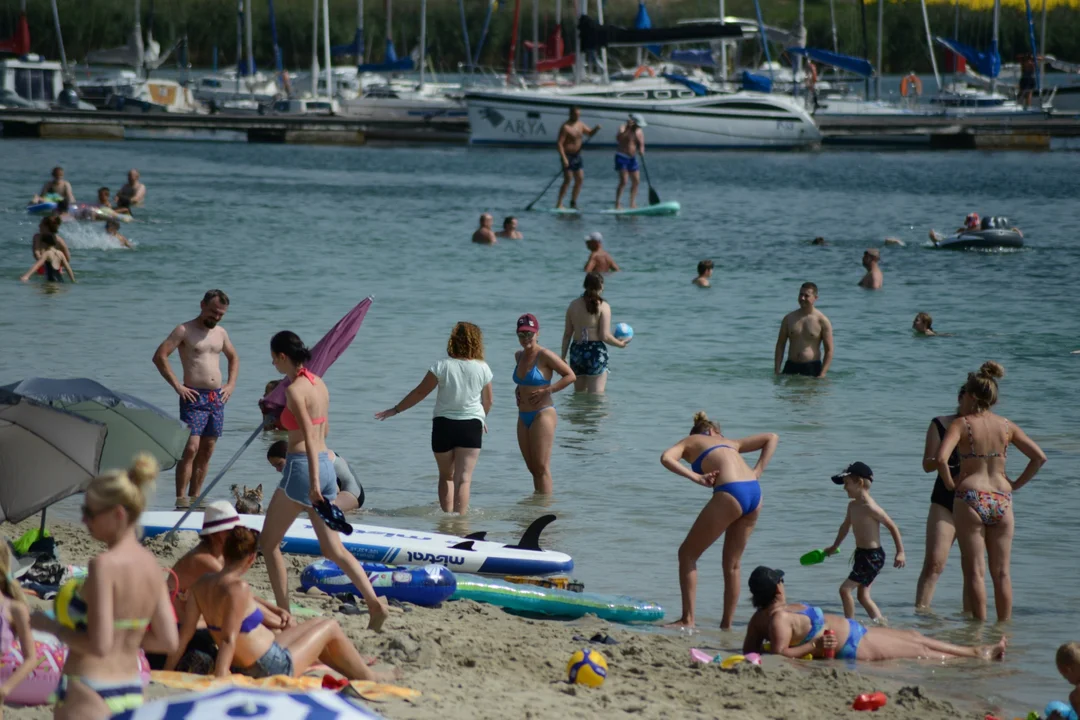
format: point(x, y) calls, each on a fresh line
point(993, 233)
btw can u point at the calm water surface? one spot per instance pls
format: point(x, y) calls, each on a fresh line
point(297, 235)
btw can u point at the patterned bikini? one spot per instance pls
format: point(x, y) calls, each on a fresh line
point(991, 505)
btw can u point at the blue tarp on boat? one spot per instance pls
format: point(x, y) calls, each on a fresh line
point(644, 22)
point(697, 87)
point(984, 63)
point(859, 66)
point(390, 62)
point(355, 48)
point(759, 83)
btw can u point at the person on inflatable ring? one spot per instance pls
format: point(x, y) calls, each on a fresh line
point(14, 625)
point(971, 222)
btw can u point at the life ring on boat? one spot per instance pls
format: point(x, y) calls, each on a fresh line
point(811, 70)
point(643, 69)
point(911, 81)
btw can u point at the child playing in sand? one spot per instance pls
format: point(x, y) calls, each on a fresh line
point(1068, 664)
point(15, 612)
point(52, 259)
point(865, 517)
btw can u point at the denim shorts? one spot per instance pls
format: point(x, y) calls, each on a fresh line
point(275, 661)
point(296, 483)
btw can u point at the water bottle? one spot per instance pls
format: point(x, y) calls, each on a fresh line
point(830, 652)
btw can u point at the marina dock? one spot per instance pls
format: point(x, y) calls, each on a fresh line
point(1025, 131)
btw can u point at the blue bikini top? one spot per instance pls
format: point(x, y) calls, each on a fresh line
point(251, 622)
point(817, 622)
point(696, 465)
point(533, 377)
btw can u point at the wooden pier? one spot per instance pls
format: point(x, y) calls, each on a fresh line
point(1005, 131)
point(333, 130)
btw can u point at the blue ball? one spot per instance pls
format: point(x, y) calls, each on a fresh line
point(623, 331)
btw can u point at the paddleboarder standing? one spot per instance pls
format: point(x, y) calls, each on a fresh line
point(631, 141)
point(571, 138)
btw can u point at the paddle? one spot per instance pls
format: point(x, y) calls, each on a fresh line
point(557, 176)
point(654, 198)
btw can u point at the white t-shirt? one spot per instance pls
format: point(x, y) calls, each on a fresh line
point(460, 383)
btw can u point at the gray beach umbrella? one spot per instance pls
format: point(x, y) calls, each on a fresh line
point(46, 454)
point(134, 425)
point(233, 702)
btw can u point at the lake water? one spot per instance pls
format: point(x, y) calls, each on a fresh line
point(297, 235)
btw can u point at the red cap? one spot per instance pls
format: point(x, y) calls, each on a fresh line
point(528, 323)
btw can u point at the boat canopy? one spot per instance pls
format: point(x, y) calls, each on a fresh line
point(758, 83)
point(859, 66)
point(984, 63)
point(698, 57)
point(595, 36)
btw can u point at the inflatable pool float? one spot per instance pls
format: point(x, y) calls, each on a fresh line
point(552, 602)
point(993, 233)
point(46, 207)
point(427, 586)
point(38, 688)
point(394, 546)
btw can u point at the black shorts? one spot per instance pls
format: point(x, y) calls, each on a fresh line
point(868, 564)
point(1027, 83)
point(574, 162)
point(811, 369)
point(201, 642)
point(447, 434)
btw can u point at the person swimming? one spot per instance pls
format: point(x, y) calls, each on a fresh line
point(52, 260)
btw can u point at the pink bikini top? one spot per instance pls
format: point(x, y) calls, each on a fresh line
point(288, 421)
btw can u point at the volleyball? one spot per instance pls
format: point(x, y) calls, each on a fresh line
point(69, 606)
point(623, 331)
point(587, 667)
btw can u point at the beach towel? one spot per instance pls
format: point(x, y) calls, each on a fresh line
point(373, 691)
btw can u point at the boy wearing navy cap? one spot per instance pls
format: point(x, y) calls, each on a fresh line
point(865, 517)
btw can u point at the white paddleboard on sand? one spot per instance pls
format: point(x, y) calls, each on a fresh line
point(394, 546)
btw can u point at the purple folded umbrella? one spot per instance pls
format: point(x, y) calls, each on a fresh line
point(323, 355)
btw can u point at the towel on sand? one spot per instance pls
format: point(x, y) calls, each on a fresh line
point(367, 689)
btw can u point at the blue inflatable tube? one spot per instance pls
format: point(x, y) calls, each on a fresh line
point(41, 208)
point(428, 585)
point(553, 602)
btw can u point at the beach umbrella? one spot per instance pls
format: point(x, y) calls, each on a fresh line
point(134, 425)
point(250, 704)
point(46, 454)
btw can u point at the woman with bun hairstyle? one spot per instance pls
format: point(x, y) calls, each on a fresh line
point(308, 479)
point(127, 603)
point(716, 462)
point(461, 409)
point(983, 512)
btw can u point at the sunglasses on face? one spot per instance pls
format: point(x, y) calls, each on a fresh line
point(525, 335)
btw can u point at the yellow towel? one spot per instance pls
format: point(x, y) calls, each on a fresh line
point(368, 690)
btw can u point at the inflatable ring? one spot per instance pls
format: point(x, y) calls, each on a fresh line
point(811, 70)
point(39, 686)
point(910, 82)
point(643, 70)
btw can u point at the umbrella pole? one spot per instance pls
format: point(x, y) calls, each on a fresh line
point(41, 530)
point(214, 482)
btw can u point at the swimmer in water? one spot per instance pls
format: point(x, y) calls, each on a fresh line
point(818, 241)
point(510, 231)
point(810, 333)
point(704, 272)
point(600, 260)
point(797, 629)
point(52, 259)
point(484, 235)
point(922, 324)
point(112, 229)
point(873, 279)
point(131, 194)
point(56, 186)
point(51, 225)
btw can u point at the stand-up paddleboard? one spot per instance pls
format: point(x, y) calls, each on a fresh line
point(552, 602)
point(664, 208)
point(559, 211)
point(394, 546)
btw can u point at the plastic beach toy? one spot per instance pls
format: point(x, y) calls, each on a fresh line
point(813, 557)
point(623, 331)
point(870, 701)
point(1063, 709)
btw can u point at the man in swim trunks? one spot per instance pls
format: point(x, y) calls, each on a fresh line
point(202, 396)
point(56, 186)
point(631, 141)
point(484, 234)
point(510, 231)
point(809, 332)
point(600, 260)
point(873, 279)
point(571, 138)
point(131, 194)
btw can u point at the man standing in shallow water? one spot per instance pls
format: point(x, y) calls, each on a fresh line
point(809, 332)
point(484, 234)
point(571, 138)
point(202, 396)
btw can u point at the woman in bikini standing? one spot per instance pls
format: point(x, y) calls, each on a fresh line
point(533, 370)
point(127, 603)
point(716, 462)
point(940, 530)
point(587, 335)
point(308, 479)
point(983, 511)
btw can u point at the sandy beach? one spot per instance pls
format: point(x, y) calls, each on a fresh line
point(471, 660)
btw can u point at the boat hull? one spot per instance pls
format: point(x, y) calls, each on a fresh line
point(742, 120)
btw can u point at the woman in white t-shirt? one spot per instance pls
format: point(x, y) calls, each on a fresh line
point(461, 408)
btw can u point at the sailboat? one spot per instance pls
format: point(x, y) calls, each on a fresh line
point(243, 88)
point(134, 89)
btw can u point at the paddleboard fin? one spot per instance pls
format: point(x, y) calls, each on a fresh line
point(467, 545)
point(531, 539)
point(481, 536)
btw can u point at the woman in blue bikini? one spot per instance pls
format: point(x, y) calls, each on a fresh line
point(797, 630)
point(533, 371)
point(716, 462)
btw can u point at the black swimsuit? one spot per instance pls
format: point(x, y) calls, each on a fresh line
point(941, 494)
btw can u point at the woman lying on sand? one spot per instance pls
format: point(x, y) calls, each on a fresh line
point(783, 625)
point(245, 645)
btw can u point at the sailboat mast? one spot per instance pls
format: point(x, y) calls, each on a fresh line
point(832, 23)
point(239, 43)
point(389, 27)
point(865, 42)
point(603, 50)
point(723, 46)
point(360, 32)
point(801, 31)
point(1042, 54)
point(536, 36)
point(994, 42)
point(423, 40)
point(513, 41)
point(248, 43)
point(578, 63)
point(60, 39)
point(315, 53)
point(880, 43)
point(326, 49)
point(930, 44)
